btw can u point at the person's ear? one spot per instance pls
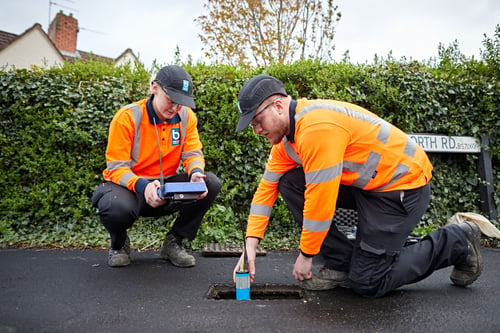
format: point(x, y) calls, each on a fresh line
point(153, 88)
point(280, 106)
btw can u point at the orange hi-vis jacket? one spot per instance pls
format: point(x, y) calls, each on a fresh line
point(336, 143)
point(132, 152)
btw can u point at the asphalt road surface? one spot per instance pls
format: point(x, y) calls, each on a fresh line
point(75, 291)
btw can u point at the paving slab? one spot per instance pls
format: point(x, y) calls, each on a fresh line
point(75, 291)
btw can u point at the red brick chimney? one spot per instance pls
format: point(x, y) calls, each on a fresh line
point(63, 30)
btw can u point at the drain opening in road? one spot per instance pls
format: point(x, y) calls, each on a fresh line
point(257, 291)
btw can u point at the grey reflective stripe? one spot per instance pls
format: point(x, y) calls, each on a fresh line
point(411, 147)
point(291, 152)
point(137, 114)
point(400, 171)
point(256, 209)
point(125, 178)
point(272, 177)
point(385, 131)
point(112, 165)
point(365, 170)
point(368, 170)
point(192, 153)
point(385, 128)
point(320, 176)
point(184, 119)
point(196, 163)
point(352, 166)
point(134, 153)
point(313, 225)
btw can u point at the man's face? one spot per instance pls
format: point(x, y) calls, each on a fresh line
point(268, 121)
point(164, 106)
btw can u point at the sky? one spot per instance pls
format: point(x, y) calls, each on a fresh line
point(154, 28)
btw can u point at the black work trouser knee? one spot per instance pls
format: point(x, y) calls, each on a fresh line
point(119, 208)
point(377, 262)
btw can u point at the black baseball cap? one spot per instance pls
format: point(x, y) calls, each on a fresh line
point(178, 84)
point(253, 93)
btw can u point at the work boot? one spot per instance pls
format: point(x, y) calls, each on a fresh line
point(121, 257)
point(325, 279)
point(175, 252)
point(467, 272)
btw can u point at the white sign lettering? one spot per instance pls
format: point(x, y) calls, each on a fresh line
point(447, 144)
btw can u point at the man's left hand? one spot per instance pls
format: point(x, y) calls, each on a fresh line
point(302, 268)
point(196, 178)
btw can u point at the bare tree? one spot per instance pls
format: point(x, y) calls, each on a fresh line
point(242, 32)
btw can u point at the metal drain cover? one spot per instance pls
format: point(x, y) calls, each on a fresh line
point(257, 291)
point(226, 250)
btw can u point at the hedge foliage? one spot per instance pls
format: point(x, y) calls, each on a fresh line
point(54, 132)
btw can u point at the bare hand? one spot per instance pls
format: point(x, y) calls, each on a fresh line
point(302, 268)
point(151, 194)
point(196, 178)
point(251, 249)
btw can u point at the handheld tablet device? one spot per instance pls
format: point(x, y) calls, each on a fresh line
point(182, 191)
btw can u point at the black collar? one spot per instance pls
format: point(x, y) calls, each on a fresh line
point(153, 117)
point(291, 136)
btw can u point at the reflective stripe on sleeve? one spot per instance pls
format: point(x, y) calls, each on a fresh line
point(313, 225)
point(321, 176)
point(125, 178)
point(192, 153)
point(196, 163)
point(272, 177)
point(113, 165)
point(263, 210)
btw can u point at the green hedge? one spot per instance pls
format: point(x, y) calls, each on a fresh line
point(54, 131)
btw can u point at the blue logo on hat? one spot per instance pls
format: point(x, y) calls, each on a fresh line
point(239, 107)
point(185, 85)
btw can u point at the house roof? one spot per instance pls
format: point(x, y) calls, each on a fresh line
point(129, 50)
point(124, 53)
point(84, 56)
point(7, 38)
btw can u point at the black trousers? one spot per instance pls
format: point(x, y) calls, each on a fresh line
point(377, 261)
point(119, 208)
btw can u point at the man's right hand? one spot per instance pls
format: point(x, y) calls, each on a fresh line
point(251, 249)
point(151, 194)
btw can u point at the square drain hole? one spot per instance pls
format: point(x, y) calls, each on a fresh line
point(257, 291)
